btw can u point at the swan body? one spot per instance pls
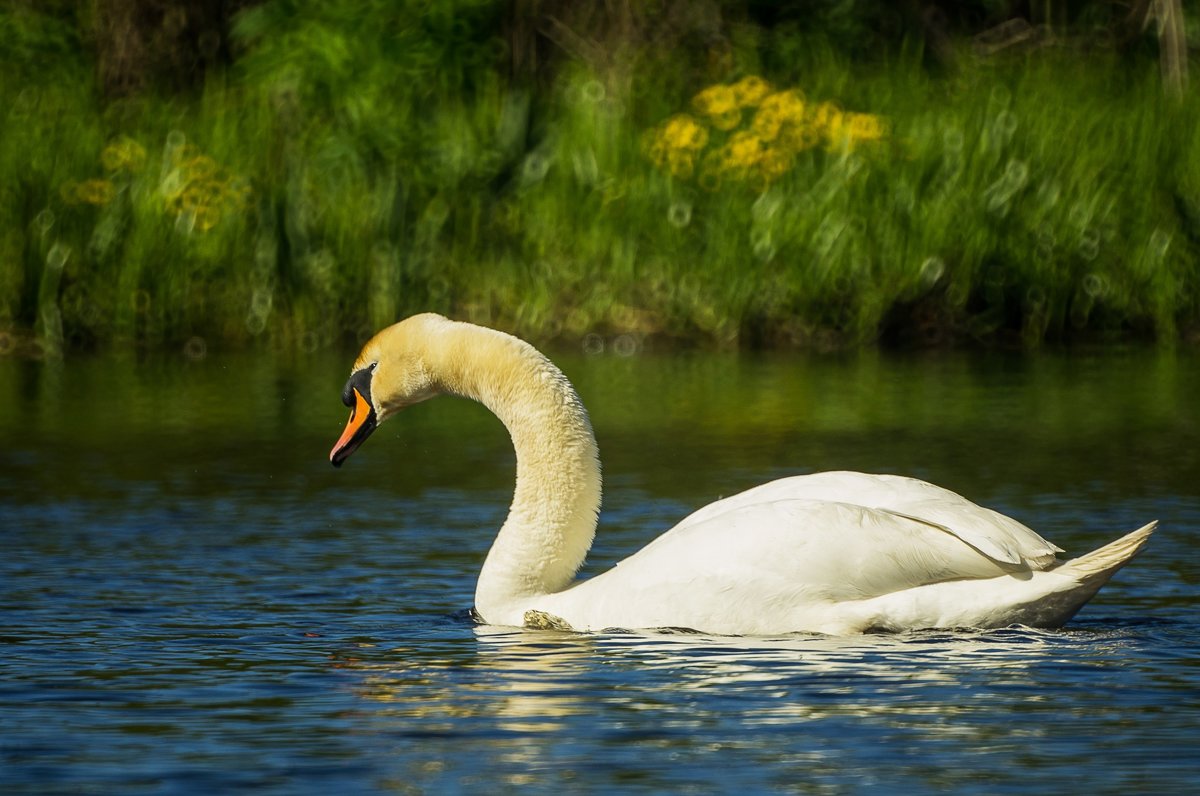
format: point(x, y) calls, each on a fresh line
point(835, 552)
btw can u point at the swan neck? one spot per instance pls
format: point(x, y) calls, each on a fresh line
point(552, 519)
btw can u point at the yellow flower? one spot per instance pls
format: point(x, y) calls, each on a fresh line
point(94, 192)
point(124, 154)
point(864, 127)
point(750, 90)
point(749, 131)
point(654, 146)
point(715, 101)
point(204, 193)
point(196, 196)
point(785, 105)
point(206, 217)
point(681, 163)
point(743, 151)
point(684, 132)
point(799, 137)
point(766, 124)
point(727, 120)
point(838, 136)
point(200, 167)
point(774, 163)
point(203, 190)
point(826, 116)
point(778, 113)
point(730, 120)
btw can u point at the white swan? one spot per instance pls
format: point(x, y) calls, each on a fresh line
point(833, 553)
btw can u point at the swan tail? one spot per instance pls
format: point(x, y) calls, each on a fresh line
point(1084, 577)
point(1043, 598)
point(1098, 566)
point(1073, 583)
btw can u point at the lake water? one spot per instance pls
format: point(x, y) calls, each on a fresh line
point(193, 601)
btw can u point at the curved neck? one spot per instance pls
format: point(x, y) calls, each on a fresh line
point(552, 519)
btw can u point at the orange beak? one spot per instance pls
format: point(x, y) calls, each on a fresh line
point(358, 428)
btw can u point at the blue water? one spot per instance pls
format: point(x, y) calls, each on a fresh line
point(193, 601)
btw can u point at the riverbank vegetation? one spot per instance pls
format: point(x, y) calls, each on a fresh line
point(306, 173)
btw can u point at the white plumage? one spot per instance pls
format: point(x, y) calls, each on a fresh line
point(835, 552)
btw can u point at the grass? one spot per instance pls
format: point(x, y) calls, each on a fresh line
point(338, 177)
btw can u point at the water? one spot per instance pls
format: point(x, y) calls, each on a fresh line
point(193, 601)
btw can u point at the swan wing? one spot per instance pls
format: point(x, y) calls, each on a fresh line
point(833, 550)
point(769, 567)
point(1001, 538)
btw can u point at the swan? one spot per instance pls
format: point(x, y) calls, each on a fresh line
point(835, 553)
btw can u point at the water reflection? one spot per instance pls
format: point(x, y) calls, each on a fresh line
point(453, 707)
point(526, 683)
point(533, 682)
point(919, 710)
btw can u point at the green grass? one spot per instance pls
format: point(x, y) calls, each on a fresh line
point(1050, 197)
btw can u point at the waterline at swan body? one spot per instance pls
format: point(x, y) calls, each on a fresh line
point(835, 552)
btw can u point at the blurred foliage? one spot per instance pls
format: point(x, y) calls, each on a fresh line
point(729, 174)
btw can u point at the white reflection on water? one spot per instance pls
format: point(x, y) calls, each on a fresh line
point(792, 679)
point(673, 705)
point(530, 682)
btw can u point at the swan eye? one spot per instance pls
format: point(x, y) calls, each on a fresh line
point(360, 380)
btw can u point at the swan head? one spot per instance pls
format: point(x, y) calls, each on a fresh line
point(391, 372)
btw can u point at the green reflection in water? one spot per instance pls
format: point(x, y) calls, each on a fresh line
point(676, 424)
